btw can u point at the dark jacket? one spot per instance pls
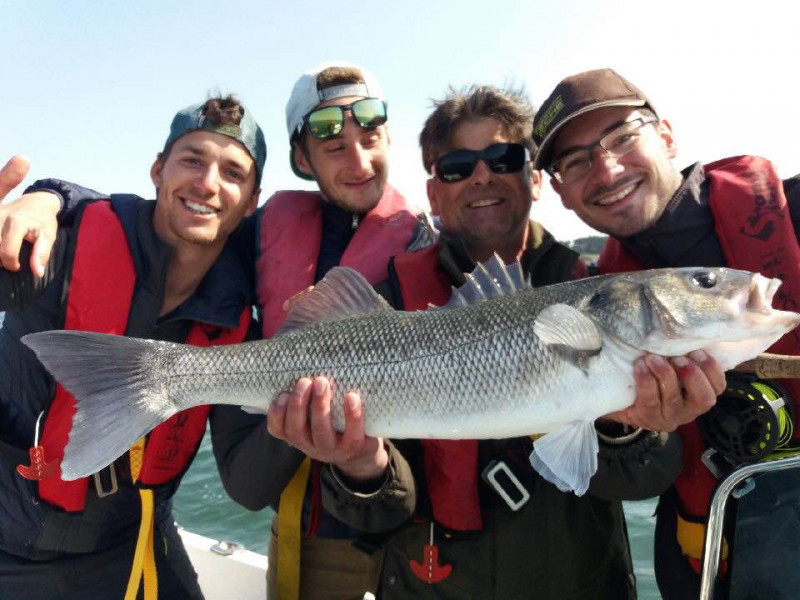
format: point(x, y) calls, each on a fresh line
point(31, 528)
point(557, 545)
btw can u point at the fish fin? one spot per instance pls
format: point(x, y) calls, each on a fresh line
point(252, 410)
point(117, 395)
point(567, 457)
point(342, 293)
point(570, 333)
point(488, 280)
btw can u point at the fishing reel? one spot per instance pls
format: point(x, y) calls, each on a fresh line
point(751, 419)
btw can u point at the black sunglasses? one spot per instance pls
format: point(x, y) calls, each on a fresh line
point(500, 158)
point(328, 121)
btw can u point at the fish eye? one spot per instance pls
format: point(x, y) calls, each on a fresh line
point(704, 279)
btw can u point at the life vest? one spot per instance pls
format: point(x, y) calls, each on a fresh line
point(451, 466)
point(100, 294)
point(289, 239)
point(754, 227)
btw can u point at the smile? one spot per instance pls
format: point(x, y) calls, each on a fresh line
point(485, 202)
point(618, 195)
point(199, 209)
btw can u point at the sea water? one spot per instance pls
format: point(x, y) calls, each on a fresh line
point(203, 507)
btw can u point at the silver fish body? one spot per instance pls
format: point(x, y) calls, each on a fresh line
point(501, 360)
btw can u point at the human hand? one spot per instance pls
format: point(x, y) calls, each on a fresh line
point(31, 218)
point(672, 392)
point(303, 420)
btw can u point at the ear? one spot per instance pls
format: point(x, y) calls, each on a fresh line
point(536, 183)
point(252, 205)
point(665, 133)
point(556, 185)
point(301, 161)
point(432, 199)
point(156, 171)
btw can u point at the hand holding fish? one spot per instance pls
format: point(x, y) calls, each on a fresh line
point(671, 393)
point(303, 420)
point(31, 218)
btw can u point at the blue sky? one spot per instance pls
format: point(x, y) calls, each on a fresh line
point(88, 88)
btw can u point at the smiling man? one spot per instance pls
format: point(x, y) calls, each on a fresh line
point(610, 158)
point(164, 270)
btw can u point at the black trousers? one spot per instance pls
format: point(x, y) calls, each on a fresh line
point(102, 575)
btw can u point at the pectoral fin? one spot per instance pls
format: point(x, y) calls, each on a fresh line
point(570, 333)
point(567, 457)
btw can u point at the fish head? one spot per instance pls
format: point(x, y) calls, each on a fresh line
point(671, 312)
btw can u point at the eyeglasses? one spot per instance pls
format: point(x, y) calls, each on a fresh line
point(328, 121)
point(500, 158)
point(617, 143)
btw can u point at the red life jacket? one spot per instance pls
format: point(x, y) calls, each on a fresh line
point(451, 466)
point(100, 295)
point(289, 245)
point(755, 231)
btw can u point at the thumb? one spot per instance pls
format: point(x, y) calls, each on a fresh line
point(12, 174)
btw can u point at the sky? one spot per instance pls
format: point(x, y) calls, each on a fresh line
point(88, 89)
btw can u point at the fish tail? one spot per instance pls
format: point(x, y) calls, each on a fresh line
point(118, 390)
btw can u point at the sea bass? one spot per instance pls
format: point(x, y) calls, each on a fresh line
point(501, 359)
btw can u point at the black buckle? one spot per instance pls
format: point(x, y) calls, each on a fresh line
point(500, 476)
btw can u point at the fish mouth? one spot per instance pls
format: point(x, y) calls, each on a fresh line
point(760, 294)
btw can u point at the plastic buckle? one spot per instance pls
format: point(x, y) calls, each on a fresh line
point(98, 482)
point(490, 476)
point(715, 462)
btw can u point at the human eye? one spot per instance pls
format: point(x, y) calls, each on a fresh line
point(234, 174)
point(574, 162)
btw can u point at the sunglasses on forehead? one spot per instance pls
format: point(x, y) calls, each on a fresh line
point(500, 158)
point(328, 121)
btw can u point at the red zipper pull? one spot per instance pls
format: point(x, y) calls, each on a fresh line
point(429, 570)
point(39, 468)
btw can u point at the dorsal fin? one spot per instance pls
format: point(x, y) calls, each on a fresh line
point(342, 293)
point(489, 279)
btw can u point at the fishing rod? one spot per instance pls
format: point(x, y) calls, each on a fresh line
point(772, 366)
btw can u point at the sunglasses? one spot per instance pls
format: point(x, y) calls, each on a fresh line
point(500, 158)
point(328, 121)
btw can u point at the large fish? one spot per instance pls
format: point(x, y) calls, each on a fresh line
point(500, 360)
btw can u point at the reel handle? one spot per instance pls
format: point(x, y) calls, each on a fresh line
point(772, 366)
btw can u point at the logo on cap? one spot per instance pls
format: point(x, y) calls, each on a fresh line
point(549, 115)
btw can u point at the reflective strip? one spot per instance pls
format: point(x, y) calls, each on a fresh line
point(691, 537)
point(144, 561)
point(290, 512)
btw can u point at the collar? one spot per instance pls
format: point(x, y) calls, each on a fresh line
point(223, 293)
point(684, 234)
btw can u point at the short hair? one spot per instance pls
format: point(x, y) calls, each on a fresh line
point(224, 110)
point(328, 78)
point(511, 107)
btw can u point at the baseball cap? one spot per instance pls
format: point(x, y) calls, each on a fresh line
point(575, 96)
point(306, 96)
point(247, 132)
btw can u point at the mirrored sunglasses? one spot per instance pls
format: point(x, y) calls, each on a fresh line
point(328, 121)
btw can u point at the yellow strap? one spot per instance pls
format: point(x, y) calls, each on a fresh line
point(692, 536)
point(144, 560)
point(290, 512)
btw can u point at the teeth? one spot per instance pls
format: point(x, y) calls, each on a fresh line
point(618, 196)
point(486, 202)
point(199, 208)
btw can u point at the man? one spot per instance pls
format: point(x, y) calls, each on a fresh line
point(336, 120)
point(518, 537)
point(609, 155)
point(164, 269)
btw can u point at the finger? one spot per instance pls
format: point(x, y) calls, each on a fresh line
point(323, 435)
point(11, 244)
point(353, 435)
point(40, 254)
point(712, 370)
point(12, 174)
point(669, 388)
point(276, 416)
point(699, 394)
point(646, 409)
point(296, 422)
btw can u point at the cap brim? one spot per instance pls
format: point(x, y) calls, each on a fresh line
point(297, 171)
point(544, 147)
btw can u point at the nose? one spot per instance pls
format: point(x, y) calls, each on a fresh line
point(359, 160)
point(482, 174)
point(605, 167)
point(207, 181)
